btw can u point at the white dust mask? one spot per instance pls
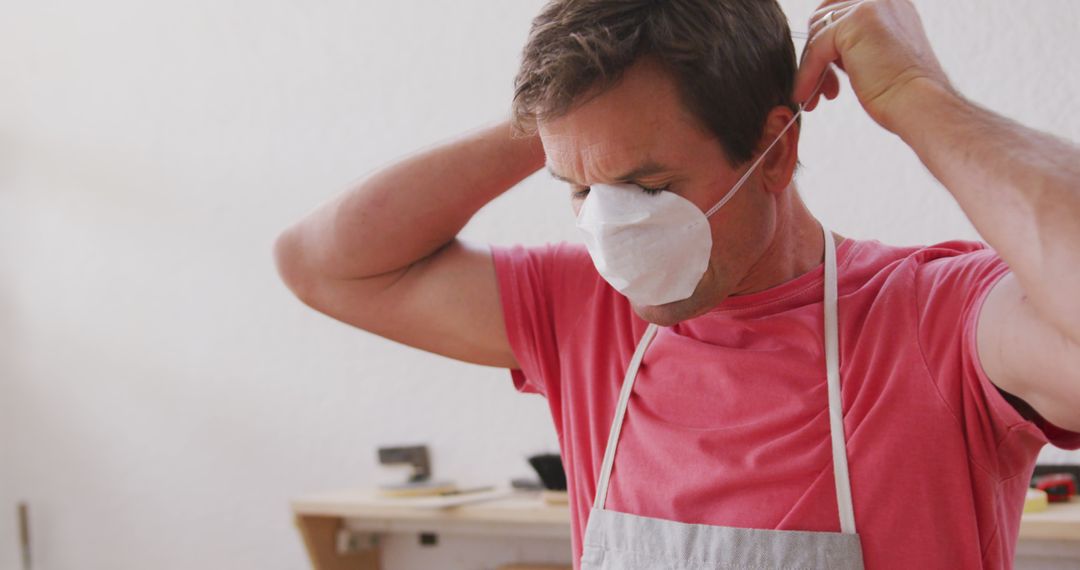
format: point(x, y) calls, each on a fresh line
point(653, 248)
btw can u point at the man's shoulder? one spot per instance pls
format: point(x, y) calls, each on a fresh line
point(950, 249)
point(873, 255)
point(956, 262)
point(919, 253)
point(917, 271)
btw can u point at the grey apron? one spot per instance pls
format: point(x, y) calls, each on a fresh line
point(623, 541)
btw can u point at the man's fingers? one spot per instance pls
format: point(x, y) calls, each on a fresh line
point(828, 86)
point(816, 58)
point(831, 5)
point(818, 18)
point(830, 17)
point(819, 52)
point(831, 88)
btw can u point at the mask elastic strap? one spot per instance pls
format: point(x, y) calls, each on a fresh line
point(754, 166)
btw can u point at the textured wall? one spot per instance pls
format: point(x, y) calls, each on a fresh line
point(162, 395)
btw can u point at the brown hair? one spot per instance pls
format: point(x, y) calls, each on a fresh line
point(732, 61)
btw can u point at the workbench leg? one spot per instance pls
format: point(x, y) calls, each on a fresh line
point(320, 536)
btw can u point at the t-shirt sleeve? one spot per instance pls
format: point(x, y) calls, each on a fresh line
point(542, 290)
point(952, 280)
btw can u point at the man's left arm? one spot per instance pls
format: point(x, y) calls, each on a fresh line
point(1019, 187)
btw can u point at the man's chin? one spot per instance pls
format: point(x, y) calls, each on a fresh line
point(668, 314)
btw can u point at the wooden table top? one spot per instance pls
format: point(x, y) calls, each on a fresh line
point(1060, 522)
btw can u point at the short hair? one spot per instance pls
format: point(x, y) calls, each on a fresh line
point(732, 61)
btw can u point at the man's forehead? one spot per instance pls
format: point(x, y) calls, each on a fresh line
point(595, 155)
point(594, 149)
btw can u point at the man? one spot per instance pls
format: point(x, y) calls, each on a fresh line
point(958, 361)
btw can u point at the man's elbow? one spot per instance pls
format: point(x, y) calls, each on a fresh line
point(289, 261)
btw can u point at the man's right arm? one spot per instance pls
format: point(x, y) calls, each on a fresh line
point(384, 256)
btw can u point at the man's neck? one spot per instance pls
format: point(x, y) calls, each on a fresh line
point(797, 248)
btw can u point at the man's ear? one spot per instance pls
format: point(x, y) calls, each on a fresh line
point(778, 167)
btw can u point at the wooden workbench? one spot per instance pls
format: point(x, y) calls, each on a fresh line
point(1050, 539)
point(1061, 521)
point(341, 530)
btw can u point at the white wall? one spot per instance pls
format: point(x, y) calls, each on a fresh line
point(162, 395)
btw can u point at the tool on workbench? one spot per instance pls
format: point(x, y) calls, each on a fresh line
point(419, 483)
point(1059, 487)
point(549, 467)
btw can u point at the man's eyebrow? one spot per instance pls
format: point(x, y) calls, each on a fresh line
point(646, 169)
point(558, 176)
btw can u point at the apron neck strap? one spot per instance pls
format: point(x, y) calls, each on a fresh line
point(836, 407)
point(832, 369)
point(620, 413)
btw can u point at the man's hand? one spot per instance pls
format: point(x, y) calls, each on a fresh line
point(880, 44)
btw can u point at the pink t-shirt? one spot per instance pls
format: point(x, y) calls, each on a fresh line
point(728, 422)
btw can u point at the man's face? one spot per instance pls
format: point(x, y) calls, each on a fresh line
point(639, 132)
